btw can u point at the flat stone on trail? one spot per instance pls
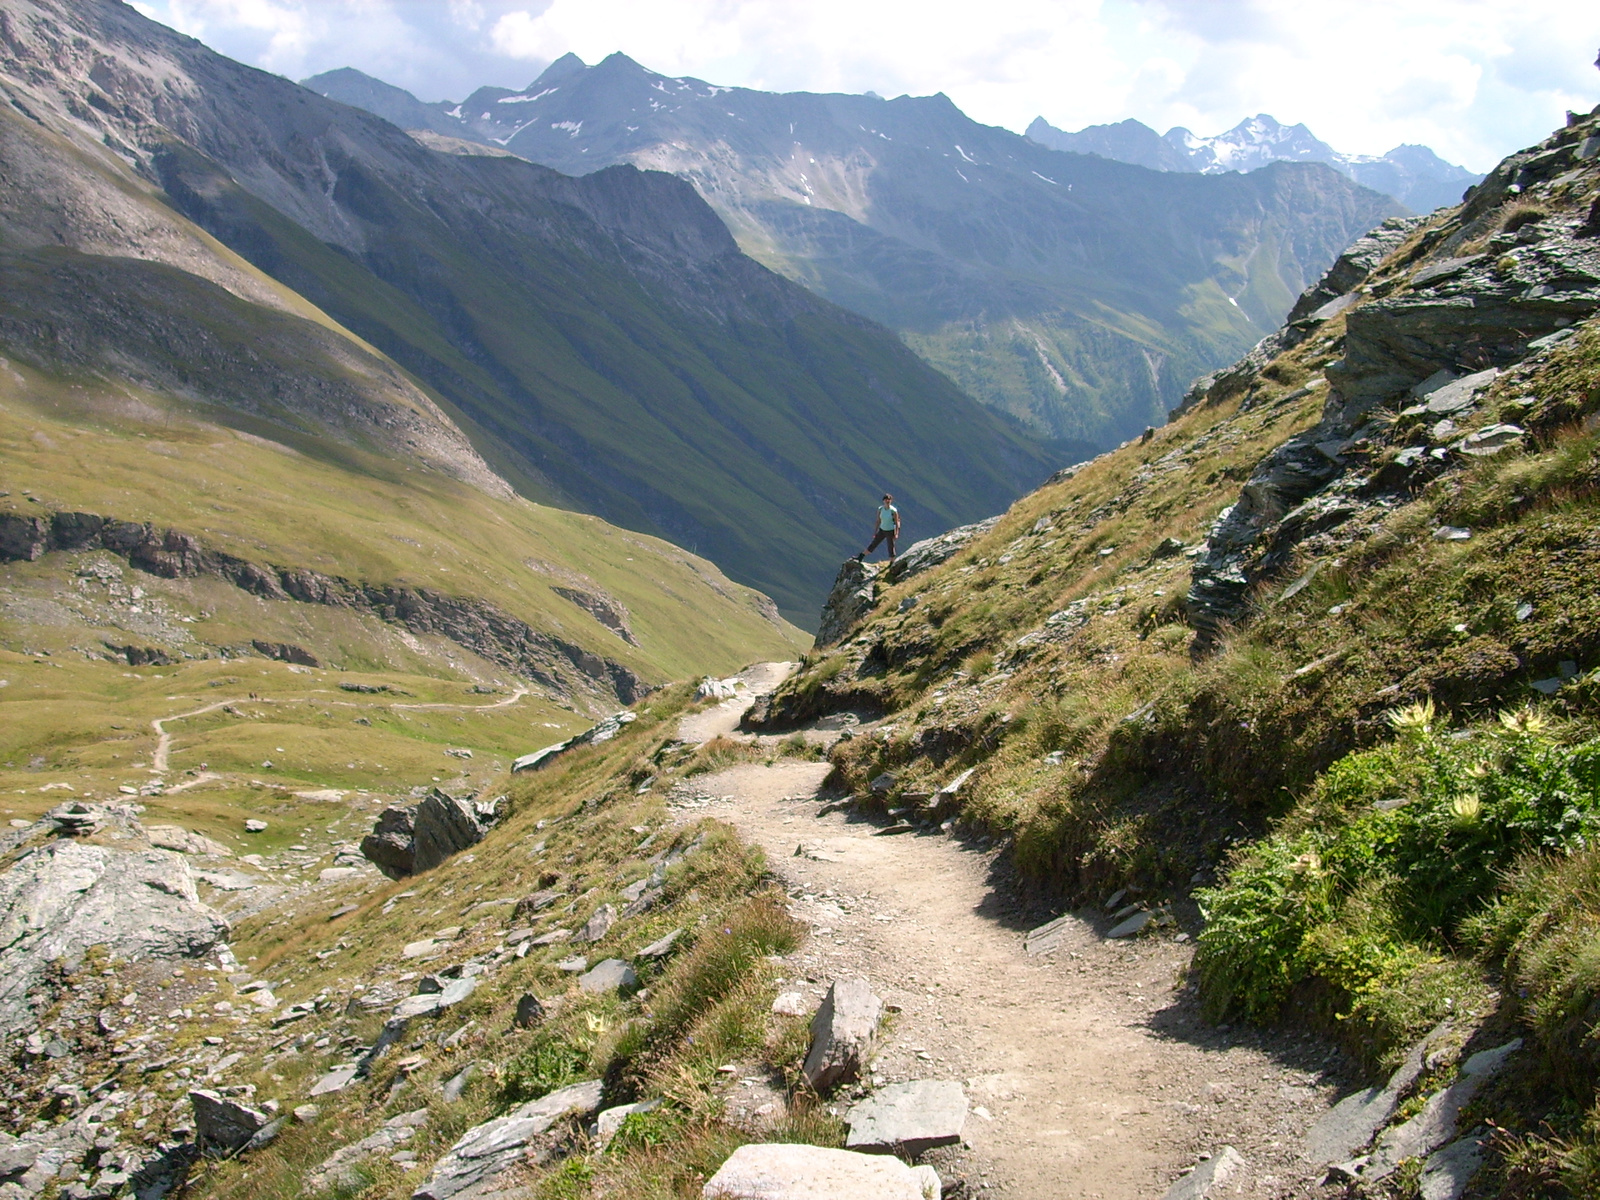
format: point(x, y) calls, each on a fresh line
point(608, 976)
point(1047, 938)
point(1435, 1125)
point(1132, 926)
point(790, 1004)
point(908, 1118)
point(492, 1148)
point(1447, 1172)
point(793, 1172)
point(1209, 1178)
point(842, 1033)
point(1349, 1125)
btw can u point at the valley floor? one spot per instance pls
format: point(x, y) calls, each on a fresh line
point(1089, 1069)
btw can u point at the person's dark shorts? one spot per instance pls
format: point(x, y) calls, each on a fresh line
point(882, 535)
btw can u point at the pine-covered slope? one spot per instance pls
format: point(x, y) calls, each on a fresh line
point(1078, 294)
point(601, 340)
point(1312, 670)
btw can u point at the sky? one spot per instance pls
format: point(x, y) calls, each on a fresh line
point(1473, 79)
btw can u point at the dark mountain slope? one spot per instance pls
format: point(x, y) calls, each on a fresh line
point(1079, 294)
point(602, 339)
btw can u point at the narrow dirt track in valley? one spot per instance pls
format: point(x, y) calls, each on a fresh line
point(1088, 1068)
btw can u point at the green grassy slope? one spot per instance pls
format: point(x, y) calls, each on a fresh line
point(1373, 794)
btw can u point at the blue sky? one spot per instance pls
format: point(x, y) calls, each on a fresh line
point(1473, 79)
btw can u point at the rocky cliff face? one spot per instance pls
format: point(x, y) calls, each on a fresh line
point(1070, 291)
point(565, 668)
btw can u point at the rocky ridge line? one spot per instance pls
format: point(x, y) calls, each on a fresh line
point(476, 625)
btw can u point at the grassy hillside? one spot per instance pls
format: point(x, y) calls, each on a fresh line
point(1365, 777)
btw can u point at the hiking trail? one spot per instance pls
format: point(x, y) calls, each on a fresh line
point(1088, 1068)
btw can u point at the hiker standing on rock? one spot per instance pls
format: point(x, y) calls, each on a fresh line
point(888, 528)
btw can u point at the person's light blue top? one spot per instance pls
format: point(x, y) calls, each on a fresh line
point(886, 515)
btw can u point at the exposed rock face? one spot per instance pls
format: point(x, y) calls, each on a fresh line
point(604, 731)
point(59, 899)
point(930, 552)
point(492, 1148)
point(608, 610)
point(338, 1170)
point(789, 1172)
point(1426, 343)
point(185, 841)
point(854, 592)
point(842, 1033)
point(475, 624)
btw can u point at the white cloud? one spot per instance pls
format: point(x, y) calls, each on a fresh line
point(1475, 79)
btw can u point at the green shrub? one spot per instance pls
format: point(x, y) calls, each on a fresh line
point(1249, 950)
point(552, 1061)
point(1397, 852)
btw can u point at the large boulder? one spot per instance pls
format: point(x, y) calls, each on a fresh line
point(842, 1033)
point(488, 1150)
point(444, 826)
point(791, 1172)
point(854, 593)
point(223, 1126)
point(61, 898)
point(389, 846)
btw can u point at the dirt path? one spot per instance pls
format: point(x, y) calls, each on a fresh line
point(160, 760)
point(1089, 1070)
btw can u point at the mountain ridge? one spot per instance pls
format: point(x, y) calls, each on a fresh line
point(1076, 294)
point(1413, 175)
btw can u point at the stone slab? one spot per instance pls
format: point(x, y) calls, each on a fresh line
point(908, 1118)
point(1210, 1177)
point(791, 1172)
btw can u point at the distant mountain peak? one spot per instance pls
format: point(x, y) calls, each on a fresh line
point(558, 72)
point(1413, 175)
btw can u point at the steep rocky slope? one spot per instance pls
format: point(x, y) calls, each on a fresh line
point(1078, 294)
point(601, 340)
point(1311, 670)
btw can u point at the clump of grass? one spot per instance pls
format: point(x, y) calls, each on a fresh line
point(720, 959)
point(1523, 212)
